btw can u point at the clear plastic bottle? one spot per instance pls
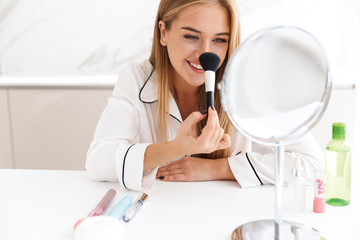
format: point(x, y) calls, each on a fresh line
point(297, 188)
point(338, 167)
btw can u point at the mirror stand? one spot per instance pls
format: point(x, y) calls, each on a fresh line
point(278, 229)
point(279, 169)
point(275, 88)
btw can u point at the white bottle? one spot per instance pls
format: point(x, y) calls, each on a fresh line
point(297, 188)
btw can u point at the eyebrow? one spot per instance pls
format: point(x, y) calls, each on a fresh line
point(197, 31)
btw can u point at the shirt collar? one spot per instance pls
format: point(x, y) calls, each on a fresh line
point(148, 92)
point(148, 95)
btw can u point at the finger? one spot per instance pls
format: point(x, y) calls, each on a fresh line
point(168, 167)
point(225, 142)
point(171, 166)
point(213, 141)
point(171, 172)
point(193, 118)
point(213, 117)
point(218, 138)
point(211, 125)
point(175, 178)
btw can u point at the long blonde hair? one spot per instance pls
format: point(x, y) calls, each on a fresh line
point(168, 11)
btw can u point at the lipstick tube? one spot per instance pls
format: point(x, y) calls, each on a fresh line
point(319, 193)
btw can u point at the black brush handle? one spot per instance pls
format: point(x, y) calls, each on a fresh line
point(209, 99)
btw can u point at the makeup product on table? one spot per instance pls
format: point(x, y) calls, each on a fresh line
point(338, 167)
point(319, 193)
point(119, 210)
point(100, 208)
point(209, 62)
point(104, 227)
point(100, 227)
point(297, 188)
point(134, 208)
point(103, 204)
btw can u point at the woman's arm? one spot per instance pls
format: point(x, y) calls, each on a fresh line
point(116, 153)
point(257, 167)
point(251, 168)
point(186, 142)
point(196, 169)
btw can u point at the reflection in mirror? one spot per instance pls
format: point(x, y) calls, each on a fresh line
point(275, 88)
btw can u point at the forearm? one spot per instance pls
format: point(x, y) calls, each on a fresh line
point(158, 154)
point(222, 169)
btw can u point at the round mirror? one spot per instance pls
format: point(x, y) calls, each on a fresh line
point(275, 88)
point(276, 85)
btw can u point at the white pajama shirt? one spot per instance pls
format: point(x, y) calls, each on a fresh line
point(127, 127)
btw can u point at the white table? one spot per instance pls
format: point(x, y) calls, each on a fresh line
point(44, 204)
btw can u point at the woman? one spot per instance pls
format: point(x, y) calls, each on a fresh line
point(152, 125)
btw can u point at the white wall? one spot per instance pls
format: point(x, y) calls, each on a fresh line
point(72, 37)
point(335, 23)
point(95, 37)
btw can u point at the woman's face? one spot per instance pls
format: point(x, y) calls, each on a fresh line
point(197, 29)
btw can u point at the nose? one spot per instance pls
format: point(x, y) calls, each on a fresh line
point(203, 47)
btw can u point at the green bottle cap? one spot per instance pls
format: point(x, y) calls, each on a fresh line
point(338, 131)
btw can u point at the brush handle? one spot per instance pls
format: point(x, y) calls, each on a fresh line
point(209, 88)
point(209, 99)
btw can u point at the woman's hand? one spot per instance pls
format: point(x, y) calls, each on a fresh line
point(195, 169)
point(187, 142)
point(212, 137)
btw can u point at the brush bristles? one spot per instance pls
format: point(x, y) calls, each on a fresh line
point(209, 61)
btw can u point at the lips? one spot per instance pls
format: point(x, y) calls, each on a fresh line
point(195, 67)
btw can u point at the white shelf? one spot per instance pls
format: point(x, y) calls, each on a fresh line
point(59, 82)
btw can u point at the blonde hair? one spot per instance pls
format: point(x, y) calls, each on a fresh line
point(168, 11)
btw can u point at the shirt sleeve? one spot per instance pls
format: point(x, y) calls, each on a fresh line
point(115, 154)
point(257, 167)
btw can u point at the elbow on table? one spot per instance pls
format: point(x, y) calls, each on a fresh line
point(93, 172)
point(98, 171)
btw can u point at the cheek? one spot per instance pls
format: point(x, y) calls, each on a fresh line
point(221, 52)
point(181, 50)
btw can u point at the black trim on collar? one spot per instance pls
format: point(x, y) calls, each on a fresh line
point(175, 118)
point(246, 154)
point(123, 169)
point(144, 86)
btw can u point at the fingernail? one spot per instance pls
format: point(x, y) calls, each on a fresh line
point(203, 112)
point(161, 177)
point(212, 107)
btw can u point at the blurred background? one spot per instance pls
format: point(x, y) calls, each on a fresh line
point(93, 37)
point(59, 62)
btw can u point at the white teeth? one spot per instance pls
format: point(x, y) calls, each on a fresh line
point(196, 66)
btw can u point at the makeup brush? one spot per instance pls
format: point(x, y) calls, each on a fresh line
point(209, 62)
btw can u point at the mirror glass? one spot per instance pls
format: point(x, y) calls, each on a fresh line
point(276, 85)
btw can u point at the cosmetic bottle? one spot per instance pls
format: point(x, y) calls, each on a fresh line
point(297, 188)
point(134, 208)
point(338, 167)
point(319, 192)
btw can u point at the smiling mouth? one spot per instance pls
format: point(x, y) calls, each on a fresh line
point(196, 67)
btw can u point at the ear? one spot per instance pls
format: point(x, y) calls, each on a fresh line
point(163, 35)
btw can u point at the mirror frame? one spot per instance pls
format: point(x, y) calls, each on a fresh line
point(298, 131)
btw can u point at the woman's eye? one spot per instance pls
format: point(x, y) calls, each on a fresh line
point(191, 37)
point(221, 40)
